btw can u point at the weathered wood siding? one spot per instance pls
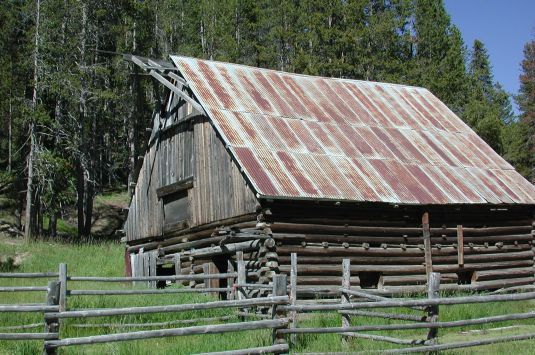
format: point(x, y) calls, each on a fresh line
point(219, 191)
point(183, 150)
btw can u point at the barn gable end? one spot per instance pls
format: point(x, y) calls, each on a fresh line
point(187, 179)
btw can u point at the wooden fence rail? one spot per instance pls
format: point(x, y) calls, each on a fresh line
point(151, 334)
point(153, 278)
point(253, 302)
point(364, 301)
point(285, 310)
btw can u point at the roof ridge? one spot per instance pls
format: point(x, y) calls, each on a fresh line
point(301, 74)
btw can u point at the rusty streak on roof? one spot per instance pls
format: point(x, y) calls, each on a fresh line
point(306, 137)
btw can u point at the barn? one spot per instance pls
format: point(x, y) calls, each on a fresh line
point(269, 163)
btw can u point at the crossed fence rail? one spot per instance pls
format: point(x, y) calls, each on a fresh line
point(285, 311)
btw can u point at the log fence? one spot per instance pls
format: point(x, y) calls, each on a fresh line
point(357, 302)
point(284, 311)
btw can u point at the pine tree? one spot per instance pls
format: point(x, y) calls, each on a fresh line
point(488, 108)
point(439, 54)
point(526, 104)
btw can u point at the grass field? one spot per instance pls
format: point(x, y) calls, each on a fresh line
point(106, 259)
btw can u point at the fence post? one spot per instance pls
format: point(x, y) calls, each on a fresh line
point(433, 292)
point(231, 294)
point(63, 287)
point(346, 284)
point(178, 267)
point(280, 285)
point(242, 277)
point(293, 294)
point(52, 325)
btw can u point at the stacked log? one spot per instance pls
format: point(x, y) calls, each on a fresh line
point(389, 257)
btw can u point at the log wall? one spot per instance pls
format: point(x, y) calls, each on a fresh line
point(387, 251)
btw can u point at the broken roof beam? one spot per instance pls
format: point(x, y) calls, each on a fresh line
point(177, 91)
point(161, 65)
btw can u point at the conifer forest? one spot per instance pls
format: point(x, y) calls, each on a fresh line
point(73, 113)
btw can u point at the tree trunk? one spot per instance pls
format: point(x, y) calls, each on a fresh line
point(53, 225)
point(80, 196)
point(30, 194)
point(10, 134)
point(88, 208)
point(131, 124)
point(81, 174)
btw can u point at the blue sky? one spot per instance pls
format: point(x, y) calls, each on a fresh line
point(504, 26)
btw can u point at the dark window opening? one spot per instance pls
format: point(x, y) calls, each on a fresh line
point(164, 270)
point(221, 265)
point(369, 279)
point(176, 208)
point(465, 277)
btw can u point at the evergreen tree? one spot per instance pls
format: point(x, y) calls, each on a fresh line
point(439, 54)
point(488, 108)
point(526, 104)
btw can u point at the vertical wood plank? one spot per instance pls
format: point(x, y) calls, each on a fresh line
point(178, 266)
point(153, 258)
point(206, 271)
point(346, 284)
point(146, 270)
point(460, 245)
point(293, 294)
point(433, 292)
point(242, 277)
point(427, 243)
point(230, 281)
point(52, 299)
point(279, 289)
point(63, 287)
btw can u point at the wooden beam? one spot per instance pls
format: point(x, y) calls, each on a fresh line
point(178, 186)
point(427, 243)
point(177, 91)
point(460, 245)
point(178, 79)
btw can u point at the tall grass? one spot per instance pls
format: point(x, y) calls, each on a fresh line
point(106, 259)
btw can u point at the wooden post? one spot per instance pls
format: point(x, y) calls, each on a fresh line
point(153, 258)
point(242, 280)
point(231, 281)
point(242, 277)
point(433, 292)
point(460, 245)
point(427, 243)
point(279, 289)
point(178, 267)
point(63, 287)
point(206, 271)
point(346, 284)
point(146, 267)
point(52, 324)
point(293, 294)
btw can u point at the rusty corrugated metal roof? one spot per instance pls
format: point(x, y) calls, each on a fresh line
point(298, 136)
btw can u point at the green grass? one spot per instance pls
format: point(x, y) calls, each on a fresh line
point(106, 259)
point(62, 226)
point(112, 198)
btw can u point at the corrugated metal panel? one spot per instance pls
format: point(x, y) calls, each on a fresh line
point(298, 136)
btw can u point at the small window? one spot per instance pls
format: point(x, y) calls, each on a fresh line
point(175, 208)
point(369, 279)
point(465, 277)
